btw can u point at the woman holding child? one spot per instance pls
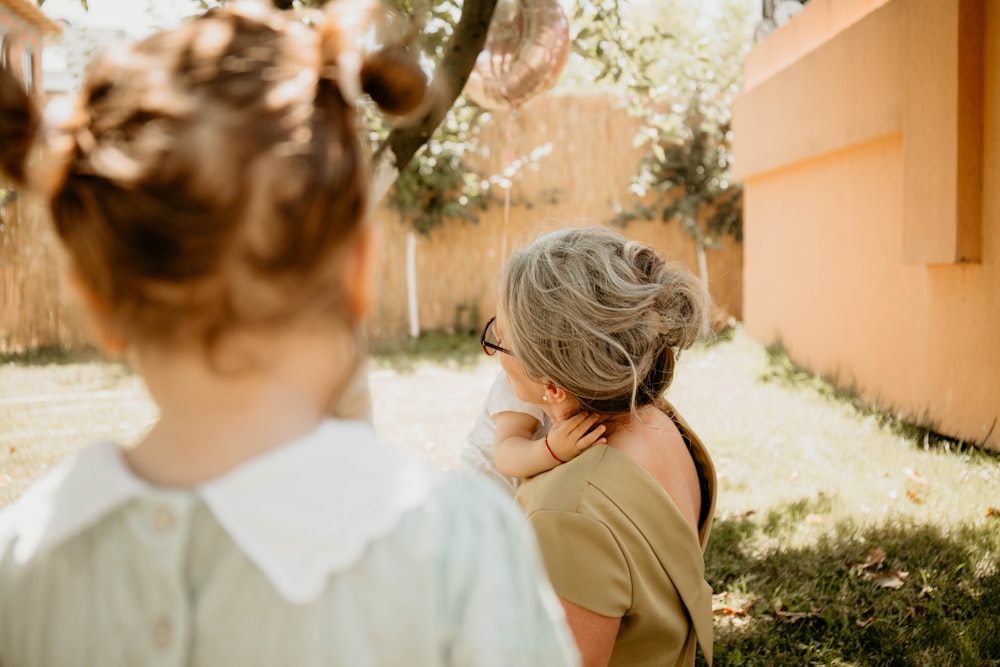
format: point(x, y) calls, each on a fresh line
point(590, 324)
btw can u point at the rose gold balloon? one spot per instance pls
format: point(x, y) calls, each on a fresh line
point(525, 51)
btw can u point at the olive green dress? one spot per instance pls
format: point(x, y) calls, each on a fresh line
point(615, 543)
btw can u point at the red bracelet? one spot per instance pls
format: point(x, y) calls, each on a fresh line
point(550, 450)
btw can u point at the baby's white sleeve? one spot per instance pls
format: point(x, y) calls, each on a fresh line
point(503, 399)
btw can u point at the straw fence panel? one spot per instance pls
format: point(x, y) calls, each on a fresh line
point(36, 308)
point(590, 164)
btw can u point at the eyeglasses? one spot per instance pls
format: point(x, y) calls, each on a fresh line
point(490, 342)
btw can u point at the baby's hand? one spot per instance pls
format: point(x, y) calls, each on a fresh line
point(569, 437)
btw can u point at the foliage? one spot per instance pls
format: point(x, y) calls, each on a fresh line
point(680, 83)
point(680, 74)
point(445, 180)
point(609, 52)
point(439, 183)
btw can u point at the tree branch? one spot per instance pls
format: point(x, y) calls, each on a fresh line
point(459, 58)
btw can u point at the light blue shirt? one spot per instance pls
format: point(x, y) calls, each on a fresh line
point(331, 550)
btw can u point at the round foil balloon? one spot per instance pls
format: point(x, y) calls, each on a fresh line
point(525, 50)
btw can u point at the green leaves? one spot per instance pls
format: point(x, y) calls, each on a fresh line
point(440, 183)
point(681, 89)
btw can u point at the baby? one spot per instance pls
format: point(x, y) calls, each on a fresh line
point(513, 437)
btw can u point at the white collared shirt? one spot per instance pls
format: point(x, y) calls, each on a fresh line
point(331, 549)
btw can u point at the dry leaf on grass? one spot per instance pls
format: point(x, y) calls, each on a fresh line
point(865, 622)
point(992, 512)
point(914, 497)
point(889, 579)
point(893, 579)
point(734, 611)
point(875, 558)
point(916, 612)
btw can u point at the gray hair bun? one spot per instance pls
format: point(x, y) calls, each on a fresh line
point(601, 316)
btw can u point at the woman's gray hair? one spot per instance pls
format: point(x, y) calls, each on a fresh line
point(600, 316)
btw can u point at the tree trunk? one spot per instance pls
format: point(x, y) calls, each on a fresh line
point(449, 79)
point(403, 142)
point(411, 283)
point(702, 265)
point(691, 225)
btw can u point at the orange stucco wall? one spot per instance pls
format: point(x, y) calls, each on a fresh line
point(868, 136)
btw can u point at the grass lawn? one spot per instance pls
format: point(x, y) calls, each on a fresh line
point(839, 540)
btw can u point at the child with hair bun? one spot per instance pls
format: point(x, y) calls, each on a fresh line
point(210, 191)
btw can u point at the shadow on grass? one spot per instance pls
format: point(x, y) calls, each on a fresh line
point(818, 604)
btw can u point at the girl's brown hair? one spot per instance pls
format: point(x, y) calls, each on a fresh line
point(205, 178)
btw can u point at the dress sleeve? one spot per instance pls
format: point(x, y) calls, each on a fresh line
point(498, 608)
point(584, 561)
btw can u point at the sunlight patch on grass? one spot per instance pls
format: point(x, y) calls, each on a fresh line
point(49, 411)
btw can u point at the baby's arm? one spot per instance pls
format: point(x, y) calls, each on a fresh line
point(517, 455)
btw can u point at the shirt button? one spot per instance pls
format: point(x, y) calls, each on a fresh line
point(163, 520)
point(162, 632)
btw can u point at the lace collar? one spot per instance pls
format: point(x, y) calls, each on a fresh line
point(301, 512)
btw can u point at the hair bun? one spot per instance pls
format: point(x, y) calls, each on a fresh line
point(394, 80)
point(645, 260)
point(19, 122)
point(684, 306)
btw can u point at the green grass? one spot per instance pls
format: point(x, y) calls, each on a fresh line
point(52, 356)
point(781, 369)
point(447, 350)
point(811, 482)
point(807, 499)
point(815, 604)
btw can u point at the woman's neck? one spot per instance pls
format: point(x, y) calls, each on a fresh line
point(211, 422)
point(643, 417)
